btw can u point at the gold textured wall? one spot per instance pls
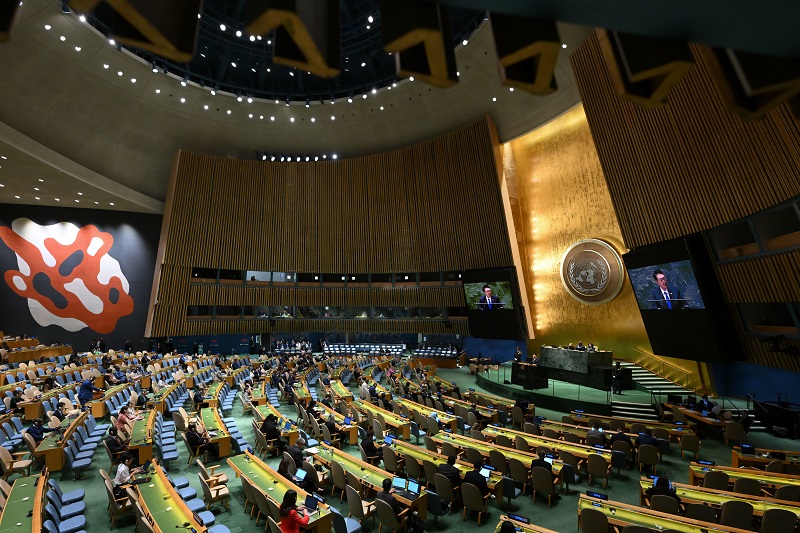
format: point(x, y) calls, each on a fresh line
point(562, 197)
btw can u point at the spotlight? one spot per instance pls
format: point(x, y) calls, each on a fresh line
point(308, 158)
point(154, 68)
point(249, 100)
point(350, 100)
point(184, 81)
point(316, 158)
point(238, 33)
point(264, 157)
point(370, 19)
point(82, 18)
point(223, 27)
point(298, 158)
point(308, 103)
point(273, 158)
point(374, 90)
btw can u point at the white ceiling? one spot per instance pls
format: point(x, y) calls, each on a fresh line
point(70, 118)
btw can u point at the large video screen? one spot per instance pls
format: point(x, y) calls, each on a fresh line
point(492, 298)
point(489, 295)
point(680, 301)
point(666, 286)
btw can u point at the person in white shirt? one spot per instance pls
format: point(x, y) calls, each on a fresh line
point(124, 475)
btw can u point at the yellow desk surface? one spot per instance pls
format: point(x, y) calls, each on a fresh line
point(697, 417)
point(350, 430)
point(52, 447)
point(519, 526)
point(715, 498)
point(274, 486)
point(426, 411)
point(369, 475)
point(142, 436)
point(262, 411)
point(401, 424)
point(218, 433)
point(697, 473)
point(761, 458)
point(340, 391)
point(621, 514)
point(582, 419)
point(579, 450)
point(162, 503)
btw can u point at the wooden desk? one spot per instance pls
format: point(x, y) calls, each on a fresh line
point(578, 450)
point(350, 431)
point(262, 411)
point(218, 433)
point(99, 405)
point(275, 486)
point(761, 459)
point(715, 498)
point(489, 415)
point(22, 343)
point(142, 437)
point(769, 480)
point(259, 394)
point(370, 476)
point(339, 391)
point(164, 506)
point(401, 425)
point(23, 356)
point(403, 448)
point(212, 394)
point(581, 431)
point(28, 499)
point(697, 417)
point(622, 514)
point(301, 392)
point(445, 418)
point(34, 409)
point(52, 447)
point(158, 400)
point(675, 430)
point(519, 526)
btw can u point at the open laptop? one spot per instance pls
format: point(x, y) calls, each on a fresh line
point(399, 483)
point(412, 490)
point(300, 475)
point(347, 421)
point(485, 472)
point(387, 441)
point(139, 480)
point(287, 426)
point(311, 503)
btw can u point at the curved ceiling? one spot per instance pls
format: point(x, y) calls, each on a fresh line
point(75, 96)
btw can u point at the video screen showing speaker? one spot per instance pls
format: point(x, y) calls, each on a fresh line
point(680, 301)
point(492, 298)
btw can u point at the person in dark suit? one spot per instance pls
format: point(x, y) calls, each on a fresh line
point(539, 462)
point(386, 495)
point(620, 435)
point(450, 471)
point(296, 451)
point(704, 405)
point(474, 477)
point(662, 487)
point(369, 447)
point(662, 296)
point(646, 438)
point(487, 302)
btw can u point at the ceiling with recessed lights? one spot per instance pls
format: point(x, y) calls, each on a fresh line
point(78, 98)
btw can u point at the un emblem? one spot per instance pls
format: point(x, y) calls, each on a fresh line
point(591, 271)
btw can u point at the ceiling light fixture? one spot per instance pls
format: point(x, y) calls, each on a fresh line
point(222, 27)
point(238, 33)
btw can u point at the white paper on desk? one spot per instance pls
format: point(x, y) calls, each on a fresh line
point(312, 451)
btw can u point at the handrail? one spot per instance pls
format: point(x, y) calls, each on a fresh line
point(651, 363)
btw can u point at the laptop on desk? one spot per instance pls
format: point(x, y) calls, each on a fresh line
point(411, 491)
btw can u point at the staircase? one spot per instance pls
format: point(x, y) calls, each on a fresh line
point(643, 380)
point(643, 411)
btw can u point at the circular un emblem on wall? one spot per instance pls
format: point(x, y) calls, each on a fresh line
point(591, 271)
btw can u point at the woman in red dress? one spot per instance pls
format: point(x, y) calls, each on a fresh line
point(292, 517)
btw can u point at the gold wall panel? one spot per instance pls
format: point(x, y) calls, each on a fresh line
point(563, 198)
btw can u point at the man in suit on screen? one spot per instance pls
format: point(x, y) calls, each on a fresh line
point(662, 296)
point(487, 302)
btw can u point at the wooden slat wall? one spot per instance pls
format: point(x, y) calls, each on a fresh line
point(706, 165)
point(692, 165)
point(434, 206)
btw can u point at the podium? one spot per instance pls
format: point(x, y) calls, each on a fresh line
point(528, 376)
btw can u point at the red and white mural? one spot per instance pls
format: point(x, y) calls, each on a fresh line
point(67, 275)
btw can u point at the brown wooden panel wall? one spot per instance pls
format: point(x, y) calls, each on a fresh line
point(435, 206)
point(690, 166)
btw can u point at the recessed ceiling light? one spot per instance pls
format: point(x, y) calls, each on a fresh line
point(36, 188)
point(183, 100)
point(77, 48)
point(563, 45)
point(252, 38)
point(334, 156)
point(313, 119)
point(233, 64)
point(205, 107)
point(333, 117)
point(17, 197)
point(464, 42)
point(229, 111)
point(158, 91)
point(119, 73)
point(133, 80)
point(110, 203)
point(250, 115)
point(494, 99)
point(80, 194)
point(258, 37)
point(381, 108)
point(82, 18)
point(97, 203)
point(105, 65)
point(364, 96)
point(291, 119)
point(411, 78)
point(511, 89)
point(374, 91)
point(40, 179)
point(370, 19)
point(249, 100)
point(213, 92)
point(363, 64)
point(223, 27)
point(77, 201)
point(47, 27)
point(183, 83)
point(272, 119)
point(3, 157)
point(57, 200)
point(112, 42)
point(238, 33)
point(37, 197)
point(1, 185)
point(368, 26)
point(63, 38)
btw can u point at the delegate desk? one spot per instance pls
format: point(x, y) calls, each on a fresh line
point(581, 451)
point(33, 408)
point(526, 458)
point(487, 414)
point(99, 404)
point(52, 447)
point(528, 376)
point(445, 418)
point(301, 392)
point(263, 411)
point(768, 480)
point(350, 430)
point(696, 416)
point(48, 352)
point(25, 505)
point(164, 506)
point(369, 476)
point(676, 431)
point(401, 425)
point(274, 486)
point(259, 394)
point(212, 394)
point(339, 391)
point(217, 432)
point(142, 437)
point(561, 428)
point(622, 514)
point(402, 449)
point(715, 498)
point(484, 398)
point(764, 456)
point(158, 400)
point(521, 526)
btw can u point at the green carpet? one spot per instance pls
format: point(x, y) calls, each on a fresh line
point(561, 517)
